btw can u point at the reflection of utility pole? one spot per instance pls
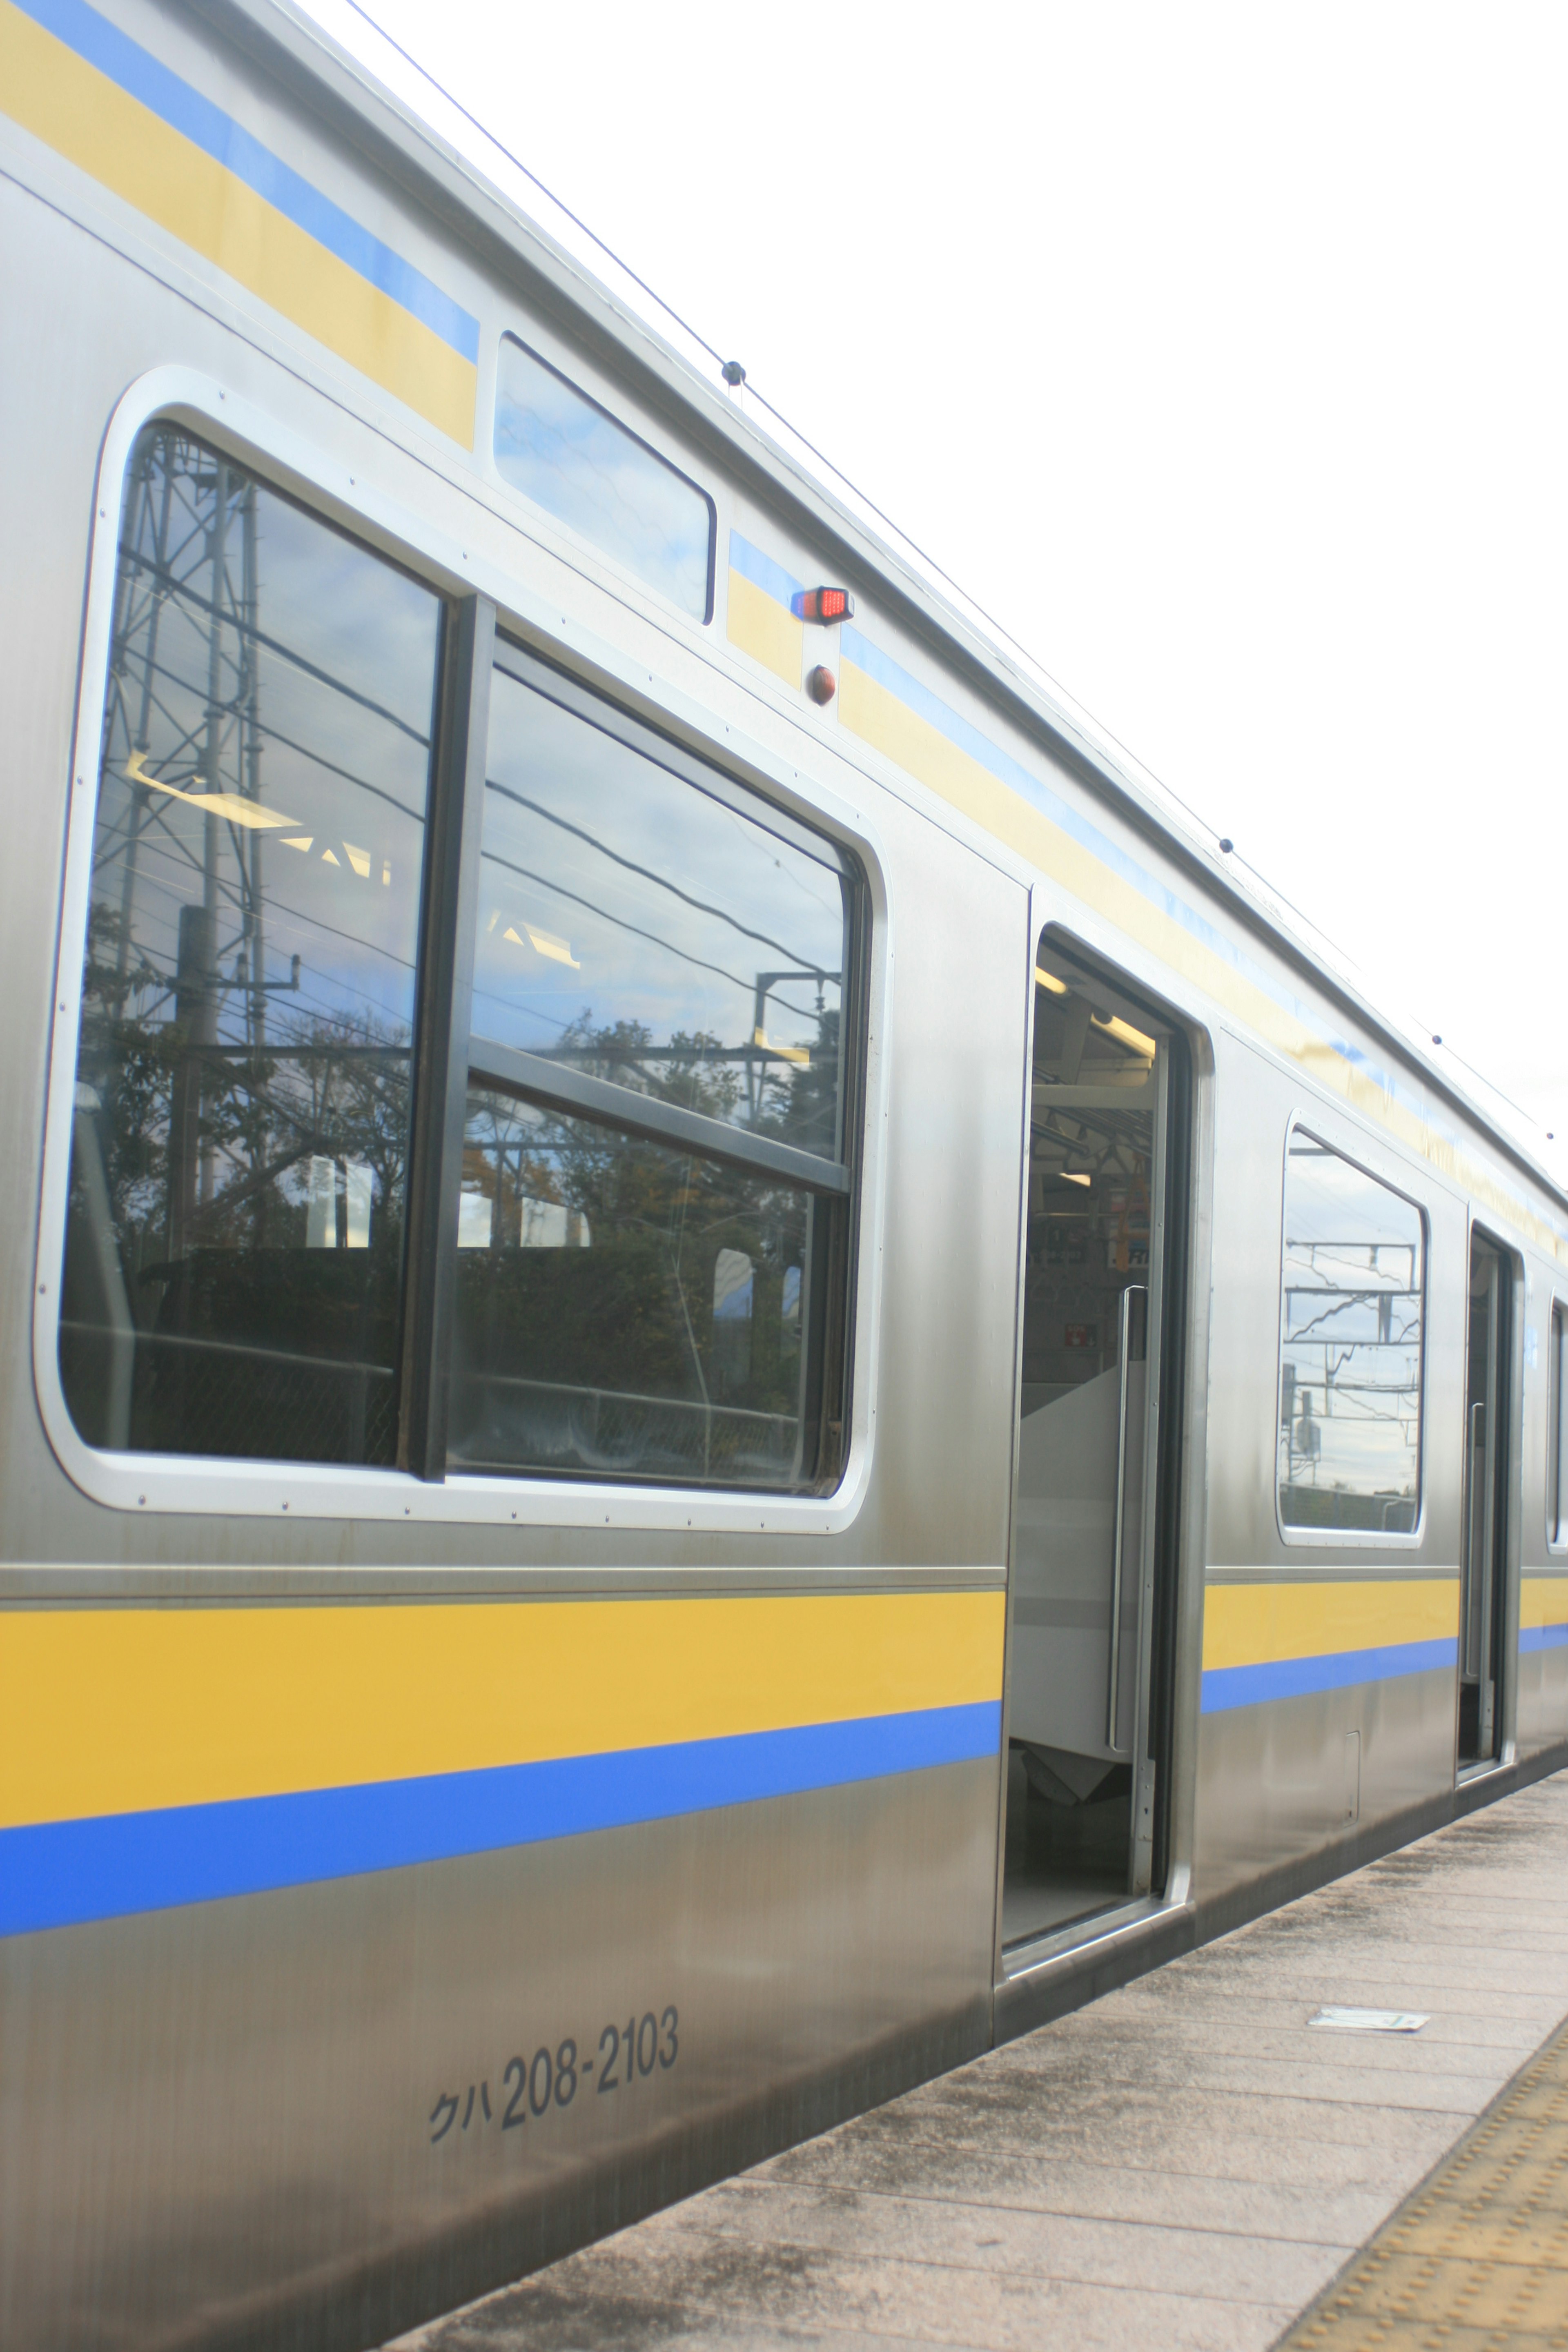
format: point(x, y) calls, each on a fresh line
point(194, 1019)
point(250, 784)
point(212, 771)
point(191, 1158)
point(153, 448)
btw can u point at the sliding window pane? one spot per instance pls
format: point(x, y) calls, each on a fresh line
point(623, 1309)
point(235, 1238)
point(636, 928)
point(1349, 1386)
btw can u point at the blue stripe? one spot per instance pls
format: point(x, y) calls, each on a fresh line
point(1543, 1637)
point(1228, 1686)
point(761, 570)
point(56, 1873)
point(206, 126)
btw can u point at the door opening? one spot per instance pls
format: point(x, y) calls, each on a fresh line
point(1081, 1788)
point(1484, 1577)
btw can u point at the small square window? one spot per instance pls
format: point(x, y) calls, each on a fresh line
point(572, 457)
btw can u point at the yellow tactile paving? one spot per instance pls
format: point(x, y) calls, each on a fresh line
point(1477, 2260)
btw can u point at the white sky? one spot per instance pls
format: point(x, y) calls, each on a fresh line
point(1218, 351)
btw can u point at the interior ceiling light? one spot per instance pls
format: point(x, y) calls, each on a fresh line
point(1075, 1176)
point(1048, 980)
point(1125, 1035)
point(229, 805)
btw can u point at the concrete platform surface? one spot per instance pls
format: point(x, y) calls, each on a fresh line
point(1188, 2163)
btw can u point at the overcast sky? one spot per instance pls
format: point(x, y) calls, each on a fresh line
point(1218, 351)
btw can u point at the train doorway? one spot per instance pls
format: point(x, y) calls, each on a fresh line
point(1081, 1817)
point(1483, 1578)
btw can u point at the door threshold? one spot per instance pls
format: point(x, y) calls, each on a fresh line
point(1466, 1775)
point(1033, 1952)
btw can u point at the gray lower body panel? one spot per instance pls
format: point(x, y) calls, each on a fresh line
point(227, 2125)
point(1286, 1778)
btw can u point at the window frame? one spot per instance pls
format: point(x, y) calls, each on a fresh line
point(528, 582)
point(1349, 1538)
point(581, 538)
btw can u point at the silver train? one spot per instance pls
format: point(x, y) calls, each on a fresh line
point(753, 1388)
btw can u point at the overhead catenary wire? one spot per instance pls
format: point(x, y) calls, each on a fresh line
point(734, 376)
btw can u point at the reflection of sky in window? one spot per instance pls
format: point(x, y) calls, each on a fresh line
point(1352, 1346)
point(612, 891)
point(579, 465)
point(344, 735)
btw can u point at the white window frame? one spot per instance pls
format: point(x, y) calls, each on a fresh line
point(220, 1486)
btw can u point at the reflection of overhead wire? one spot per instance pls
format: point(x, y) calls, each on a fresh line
point(744, 827)
point(274, 734)
point(1340, 1303)
point(310, 925)
point(559, 890)
point(305, 927)
point(631, 866)
point(227, 617)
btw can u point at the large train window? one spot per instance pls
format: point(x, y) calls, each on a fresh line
point(235, 1235)
point(652, 1224)
point(574, 460)
point(1350, 1352)
point(459, 1081)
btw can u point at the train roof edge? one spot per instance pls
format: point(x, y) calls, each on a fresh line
point(289, 43)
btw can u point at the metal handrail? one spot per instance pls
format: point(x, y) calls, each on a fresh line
point(1475, 1562)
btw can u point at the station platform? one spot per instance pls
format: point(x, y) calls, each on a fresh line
point(1189, 2162)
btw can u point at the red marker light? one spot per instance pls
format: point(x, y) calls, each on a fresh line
point(821, 685)
point(824, 604)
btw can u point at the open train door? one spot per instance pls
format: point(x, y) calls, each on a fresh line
point(1484, 1661)
point(1099, 1409)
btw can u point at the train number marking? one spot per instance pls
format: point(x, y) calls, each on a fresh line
point(642, 2047)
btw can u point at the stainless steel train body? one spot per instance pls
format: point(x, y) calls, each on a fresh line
point(704, 1392)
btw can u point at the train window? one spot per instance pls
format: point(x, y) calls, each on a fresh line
point(232, 1265)
point(656, 1133)
point(1557, 1490)
point(1351, 1339)
point(567, 454)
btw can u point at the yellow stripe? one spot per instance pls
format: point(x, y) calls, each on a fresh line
point(882, 719)
point(88, 119)
point(764, 629)
point(1258, 1624)
point(111, 1711)
point(1543, 1601)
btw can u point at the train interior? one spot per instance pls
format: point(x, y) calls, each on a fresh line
point(1486, 1494)
point(1080, 1548)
